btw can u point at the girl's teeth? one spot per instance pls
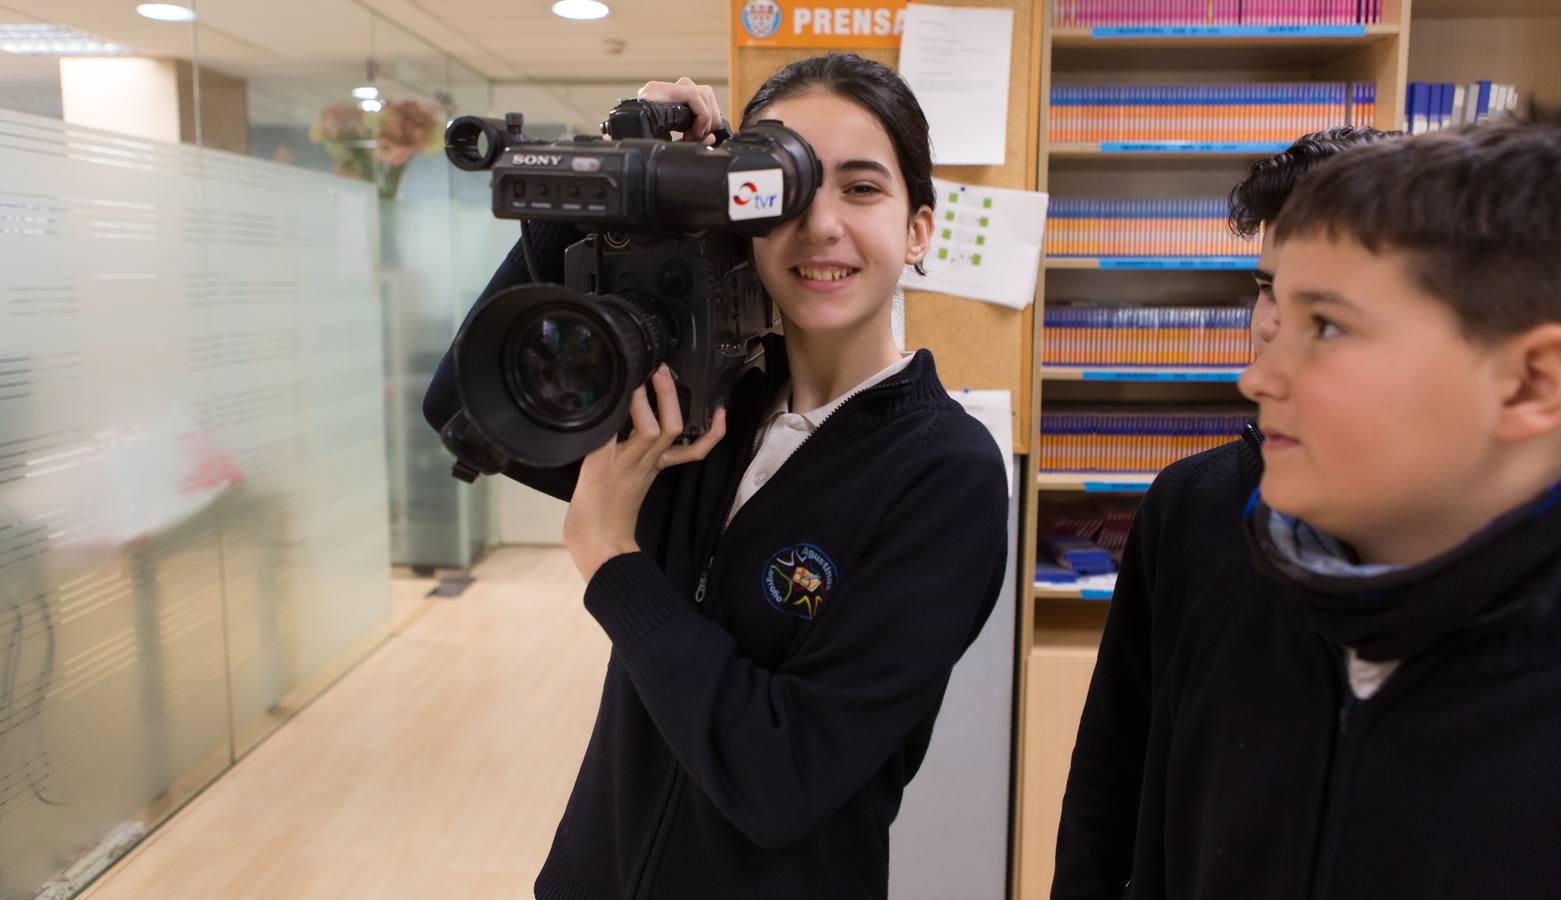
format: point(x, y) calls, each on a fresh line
point(823, 274)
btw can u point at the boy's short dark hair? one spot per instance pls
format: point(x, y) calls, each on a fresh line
point(1477, 211)
point(1262, 194)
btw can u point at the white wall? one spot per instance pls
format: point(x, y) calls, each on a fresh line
point(129, 95)
point(529, 517)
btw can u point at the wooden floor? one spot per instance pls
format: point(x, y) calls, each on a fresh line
point(437, 768)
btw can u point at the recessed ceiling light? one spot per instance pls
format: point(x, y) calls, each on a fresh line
point(166, 12)
point(370, 105)
point(580, 9)
point(55, 40)
point(367, 92)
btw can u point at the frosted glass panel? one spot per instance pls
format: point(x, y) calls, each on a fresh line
point(292, 387)
point(191, 472)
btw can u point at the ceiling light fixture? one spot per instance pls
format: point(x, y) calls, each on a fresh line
point(166, 12)
point(55, 40)
point(580, 9)
point(370, 105)
point(367, 92)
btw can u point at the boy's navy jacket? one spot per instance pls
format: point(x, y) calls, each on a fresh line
point(1263, 776)
point(1266, 777)
point(1189, 521)
point(756, 742)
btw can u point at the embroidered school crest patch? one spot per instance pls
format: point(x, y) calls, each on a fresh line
point(797, 580)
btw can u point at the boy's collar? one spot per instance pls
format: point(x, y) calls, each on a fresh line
point(1318, 553)
point(1397, 612)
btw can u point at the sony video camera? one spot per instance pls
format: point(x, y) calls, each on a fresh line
point(662, 274)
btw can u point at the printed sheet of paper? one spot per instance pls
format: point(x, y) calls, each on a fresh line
point(956, 60)
point(994, 409)
point(986, 244)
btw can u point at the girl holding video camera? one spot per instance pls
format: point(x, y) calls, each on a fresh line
point(787, 595)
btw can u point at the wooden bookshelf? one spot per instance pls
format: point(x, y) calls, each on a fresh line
point(1139, 151)
point(1143, 374)
point(1086, 38)
point(1094, 482)
point(1070, 593)
point(1154, 263)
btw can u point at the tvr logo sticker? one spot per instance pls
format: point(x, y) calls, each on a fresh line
point(754, 195)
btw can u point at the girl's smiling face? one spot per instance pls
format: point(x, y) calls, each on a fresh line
point(833, 269)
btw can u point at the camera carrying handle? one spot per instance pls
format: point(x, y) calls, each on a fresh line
point(636, 118)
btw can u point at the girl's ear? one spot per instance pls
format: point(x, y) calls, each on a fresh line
point(920, 237)
point(1531, 405)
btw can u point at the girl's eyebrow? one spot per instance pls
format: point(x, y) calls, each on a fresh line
point(856, 165)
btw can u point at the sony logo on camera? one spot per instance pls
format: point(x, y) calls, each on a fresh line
point(538, 159)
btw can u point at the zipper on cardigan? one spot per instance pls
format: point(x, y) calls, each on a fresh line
point(643, 882)
point(704, 575)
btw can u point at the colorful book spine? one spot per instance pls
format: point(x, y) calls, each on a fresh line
point(1116, 13)
point(1267, 113)
point(1212, 336)
point(1131, 441)
point(1168, 227)
point(1432, 106)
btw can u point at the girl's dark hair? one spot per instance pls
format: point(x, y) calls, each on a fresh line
point(876, 88)
point(1260, 196)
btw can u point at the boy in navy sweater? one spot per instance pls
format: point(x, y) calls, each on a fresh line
point(1188, 526)
point(1380, 718)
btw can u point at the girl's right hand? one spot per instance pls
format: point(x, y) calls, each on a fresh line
point(699, 97)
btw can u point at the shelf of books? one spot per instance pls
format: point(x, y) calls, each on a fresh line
point(1084, 23)
point(1094, 588)
point(1162, 149)
point(1153, 111)
point(1223, 35)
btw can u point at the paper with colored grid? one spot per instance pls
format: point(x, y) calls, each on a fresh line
point(986, 244)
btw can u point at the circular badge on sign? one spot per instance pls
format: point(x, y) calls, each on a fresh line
point(798, 580)
point(761, 18)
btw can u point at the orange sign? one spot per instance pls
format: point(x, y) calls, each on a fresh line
point(854, 24)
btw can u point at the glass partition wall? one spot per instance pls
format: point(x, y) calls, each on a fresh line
point(230, 256)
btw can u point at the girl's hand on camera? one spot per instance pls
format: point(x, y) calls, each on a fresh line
point(614, 478)
point(699, 97)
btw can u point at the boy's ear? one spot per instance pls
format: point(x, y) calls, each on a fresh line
point(1532, 405)
point(920, 235)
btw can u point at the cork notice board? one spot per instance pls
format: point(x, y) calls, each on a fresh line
point(977, 345)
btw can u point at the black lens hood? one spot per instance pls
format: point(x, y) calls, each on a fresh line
point(498, 414)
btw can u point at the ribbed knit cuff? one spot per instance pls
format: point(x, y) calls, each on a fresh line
point(630, 598)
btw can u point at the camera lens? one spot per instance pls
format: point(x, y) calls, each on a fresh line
point(545, 372)
point(562, 367)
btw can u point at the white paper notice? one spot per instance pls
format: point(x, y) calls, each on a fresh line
point(994, 409)
point(986, 244)
point(956, 61)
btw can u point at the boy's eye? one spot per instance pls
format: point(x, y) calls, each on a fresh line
point(1324, 328)
point(1265, 290)
point(864, 189)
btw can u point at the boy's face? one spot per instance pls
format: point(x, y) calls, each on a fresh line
point(1377, 411)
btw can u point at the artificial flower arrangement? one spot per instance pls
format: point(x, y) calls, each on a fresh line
point(377, 146)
